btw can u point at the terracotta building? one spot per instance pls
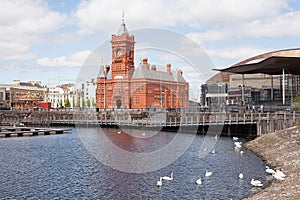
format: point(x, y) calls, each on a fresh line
point(120, 85)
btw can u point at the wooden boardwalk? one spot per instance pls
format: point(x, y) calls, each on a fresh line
point(29, 131)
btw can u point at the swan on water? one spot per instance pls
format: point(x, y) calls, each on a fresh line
point(199, 181)
point(207, 173)
point(213, 151)
point(269, 170)
point(159, 183)
point(241, 152)
point(256, 183)
point(216, 137)
point(241, 176)
point(238, 144)
point(235, 138)
point(167, 178)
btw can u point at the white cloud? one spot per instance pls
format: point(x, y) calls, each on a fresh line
point(281, 25)
point(237, 52)
point(102, 16)
point(22, 23)
point(75, 60)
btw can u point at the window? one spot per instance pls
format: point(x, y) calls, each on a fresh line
point(137, 100)
point(149, 88)
point(137, 87)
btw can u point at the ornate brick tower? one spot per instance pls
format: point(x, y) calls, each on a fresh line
point(122, 53)
point(121, 86)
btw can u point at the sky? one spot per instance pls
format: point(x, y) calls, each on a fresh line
point(49, 41)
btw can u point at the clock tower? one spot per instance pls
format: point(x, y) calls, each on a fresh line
point(122, 53)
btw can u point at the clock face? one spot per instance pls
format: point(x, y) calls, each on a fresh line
point(119, 52)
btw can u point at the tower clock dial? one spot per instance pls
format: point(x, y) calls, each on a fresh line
point(119, 52)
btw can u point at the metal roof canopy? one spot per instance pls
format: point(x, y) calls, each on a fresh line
point(273, 66)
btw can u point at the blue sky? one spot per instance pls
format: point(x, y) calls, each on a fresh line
point(50, 40)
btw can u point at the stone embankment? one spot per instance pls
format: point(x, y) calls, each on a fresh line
point(280, 150)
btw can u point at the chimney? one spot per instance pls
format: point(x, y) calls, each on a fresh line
point(180, 72)
point(169, 68)
point(153, 67)
point(145, 63)
point(107, 68)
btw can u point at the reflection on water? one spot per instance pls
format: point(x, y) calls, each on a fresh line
point(61, 167)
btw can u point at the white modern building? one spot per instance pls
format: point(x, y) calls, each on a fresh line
point(61, 96)
point(80, 95)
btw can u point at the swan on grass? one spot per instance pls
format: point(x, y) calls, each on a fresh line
point(199, 181)
point(167, 178)
point(269, 170)
point(159, 183)
point(207, 173)
point(256, 183)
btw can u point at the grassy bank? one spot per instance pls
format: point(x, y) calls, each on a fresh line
point(281, 150)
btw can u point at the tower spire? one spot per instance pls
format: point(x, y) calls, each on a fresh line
point(123, 29)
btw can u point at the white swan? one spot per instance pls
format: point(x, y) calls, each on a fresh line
point(119, 132)
point(199, 181)
point(216, 137)
point(159, 183)
point(241, 176)
point(207, 173)
point(167, 178)
point(241, 152)
point(269, 170)
point(280, 173)
point(238, 144)
point(256, 183)
point(213, 151)
point(278, 177)
point(235, 138)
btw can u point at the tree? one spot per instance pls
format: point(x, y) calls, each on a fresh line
point(83, 103)
point(88, 103)
point(77, 102)
point(67, 103)
point(60, 103)
point(93, 103)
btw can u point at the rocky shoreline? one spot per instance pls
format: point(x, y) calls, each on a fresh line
point(280, 150)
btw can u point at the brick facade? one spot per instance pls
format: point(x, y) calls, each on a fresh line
point(120, 85)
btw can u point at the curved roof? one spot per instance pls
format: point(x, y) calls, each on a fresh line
point(269, 63)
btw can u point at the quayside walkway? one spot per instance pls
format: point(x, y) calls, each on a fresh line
point(258, 123)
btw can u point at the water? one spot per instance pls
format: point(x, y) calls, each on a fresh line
point(61, 167)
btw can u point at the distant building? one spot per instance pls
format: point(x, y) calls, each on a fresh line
point(22, 95)
point(61, 96)
point(258, 88)
point(120, 85)
point(86, 94)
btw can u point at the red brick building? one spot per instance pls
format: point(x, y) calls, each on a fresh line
point(120, 85)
